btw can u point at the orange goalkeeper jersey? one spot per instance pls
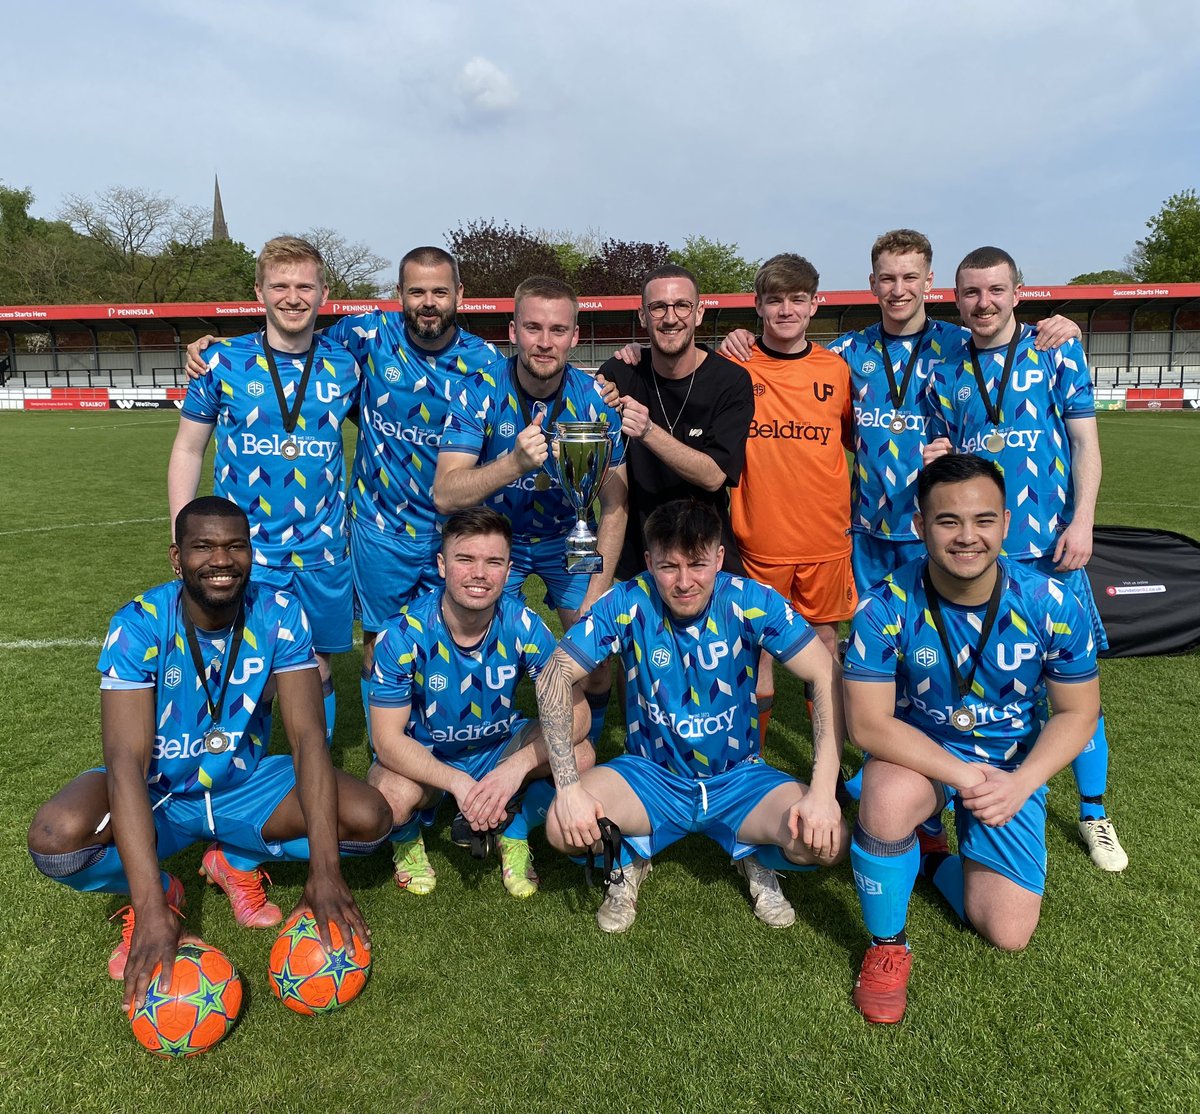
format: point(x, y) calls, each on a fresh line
point(793, 502)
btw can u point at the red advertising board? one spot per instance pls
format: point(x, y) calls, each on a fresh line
point(1154, 398)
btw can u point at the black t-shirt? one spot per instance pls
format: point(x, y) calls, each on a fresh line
point(715, 420)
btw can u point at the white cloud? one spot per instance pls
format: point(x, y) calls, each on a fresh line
point(486, 90)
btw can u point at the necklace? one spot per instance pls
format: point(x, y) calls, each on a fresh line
point(662, 406)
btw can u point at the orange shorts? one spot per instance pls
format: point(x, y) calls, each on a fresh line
point(823, 591)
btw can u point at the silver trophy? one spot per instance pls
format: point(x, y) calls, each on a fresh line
point(584, 452)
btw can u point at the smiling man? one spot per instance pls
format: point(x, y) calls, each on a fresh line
point(186, 674)
point(949, 664)
point(689, 637)
point(276, 401)
point(1032, 413)
point(443, 710)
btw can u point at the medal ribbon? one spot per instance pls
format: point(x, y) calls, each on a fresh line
point(963, 684)
point(898, 394)
point(292, 416)
point(555, 408)
point(993, 412)
point(214, 707)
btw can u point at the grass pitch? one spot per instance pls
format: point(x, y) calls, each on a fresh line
point(480, 1002)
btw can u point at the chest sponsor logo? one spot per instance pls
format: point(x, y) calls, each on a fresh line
point(327, 392)
point(500, 676)
point(1014, 439)
point(790, 431)
point(273, 446)
point(695, 433)
point(984, 713)
point(414, 435)
point(247, 668)
point(881, 419)
point(189, 746)
point(472, 732)
point(1023, 380)
point(710, 656)
point(822, 391)
point(699, 726)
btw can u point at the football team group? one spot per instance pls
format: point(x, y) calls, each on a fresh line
point(733, 534)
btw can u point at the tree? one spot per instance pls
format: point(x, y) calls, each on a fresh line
point(352, 270)
point(41, 261)
point(620, 266)
point(1102, 278)
point(573, 249)
point(493, 259)
point(1171, 253)
point(718, 267)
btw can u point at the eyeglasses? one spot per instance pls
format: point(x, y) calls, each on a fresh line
point(658, 310)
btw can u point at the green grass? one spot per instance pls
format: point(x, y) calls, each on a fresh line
point(478, 1002)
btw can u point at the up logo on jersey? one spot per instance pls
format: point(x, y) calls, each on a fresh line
point(709, 656)
point(500, 677)
point(327, 392)
point(249, 667)
point(1022, 382)
point(1009, 658)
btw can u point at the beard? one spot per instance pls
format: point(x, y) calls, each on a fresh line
point(429, 328)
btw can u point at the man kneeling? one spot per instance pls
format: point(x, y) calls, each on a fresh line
point(443, 713)
point(689, 637)
point(187, 675)
point(948, 667)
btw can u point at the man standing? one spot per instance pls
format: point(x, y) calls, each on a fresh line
point(277, 400)
point(685, 413)
point(689, 637)
point(185, 673)
point(1033, 414)
point(443, 709)
point(948, 667)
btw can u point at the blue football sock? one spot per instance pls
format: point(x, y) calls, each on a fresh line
point(532, 813)
point(884, 874)
point(948, 878)
point(364, 685)
point(402, 833)
point(330, 710)
point(250, 860)
point(773, 858)
point(932, 826)
point(854, 785)
point(1091, 774)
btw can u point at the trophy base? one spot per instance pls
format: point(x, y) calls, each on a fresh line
point(583, 564)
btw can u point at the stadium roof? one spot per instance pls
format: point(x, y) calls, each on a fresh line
point(1059, 299)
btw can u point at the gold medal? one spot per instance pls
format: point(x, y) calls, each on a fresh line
point(542, 483)
point(896, 425)
point(994, 442)
point(289, 449)
point(217, 742)
point(963, 719)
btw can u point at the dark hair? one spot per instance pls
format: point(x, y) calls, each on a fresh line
point(429, 257)
point(982, 258)
point(670, 270)
point(956, 468)
point(474, 522)
point(684, 524)
point(208, 506)
point(902, 241)
point(786, 273)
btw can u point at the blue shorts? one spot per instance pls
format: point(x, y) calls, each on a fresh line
point(325, 593)
point(238, 815)
point(478, 764)
point(390, 572)
point(1017, 851)
point(874, 558)
point(1079, 584)
point(545, 557)
point(715, 806)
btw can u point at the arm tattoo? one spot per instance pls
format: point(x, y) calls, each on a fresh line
point(557, 716)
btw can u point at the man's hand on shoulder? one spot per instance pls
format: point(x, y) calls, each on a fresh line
point(738, 345)
point(195, 366)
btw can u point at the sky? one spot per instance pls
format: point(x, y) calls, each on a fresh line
point(1053, 129)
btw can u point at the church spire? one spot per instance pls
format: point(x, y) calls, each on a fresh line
point(220, 230)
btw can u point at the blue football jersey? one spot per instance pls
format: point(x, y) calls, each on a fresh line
point(883, 481)
point(689, 695)
point(1045, 390)
point(1040, 631)
point(405, 396)
point(486, 417)
point(297, 508)
point(146, 647)
point(460, 700)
